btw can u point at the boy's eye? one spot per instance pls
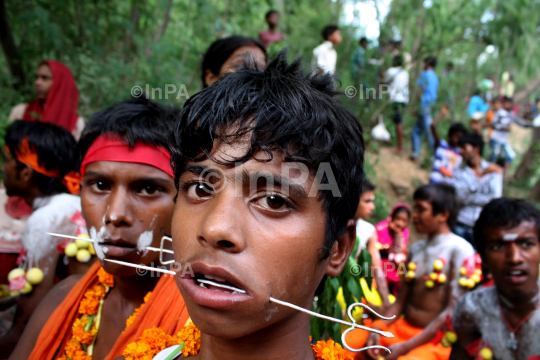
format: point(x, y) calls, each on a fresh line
point(149, 190)
point(101, 186)
point(200, 190)
point(496, 246)
point(272, 202)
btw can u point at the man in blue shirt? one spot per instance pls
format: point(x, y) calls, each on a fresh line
point(429, 83)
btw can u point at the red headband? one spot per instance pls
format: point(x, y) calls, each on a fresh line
point(107, 149)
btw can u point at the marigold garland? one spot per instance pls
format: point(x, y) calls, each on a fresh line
point(154, 340)
point(84, 329)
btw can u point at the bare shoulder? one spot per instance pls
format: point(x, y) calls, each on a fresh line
point(17, 111)
point(39, 318)
point(474, 304)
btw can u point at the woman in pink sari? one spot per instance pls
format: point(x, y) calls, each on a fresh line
point(393, 237)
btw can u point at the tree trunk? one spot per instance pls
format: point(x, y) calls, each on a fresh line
point(525, 168)
point(535, 192)
point(166, 18)
point(531, 87)
point(11, 52)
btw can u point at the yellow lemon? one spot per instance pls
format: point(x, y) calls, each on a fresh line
point(475, 278)
point(486, 353)
point(15, 273)
point(433, 276)
point(411, 266)
point(438, 264)
point(463, 282)
point(451, 337)
point(445, 343)
point(410, 275)
point(429, 284)
point(91, 249)
point(71, 249)
point(26, 289)
point(34, 276)
point(81, 244)
point(471, 283)
point(14, 293)
point(83, 255)
point(4, 290)
point(478, 271)
point(442, 278)
point(378, 246)
point(463, 271)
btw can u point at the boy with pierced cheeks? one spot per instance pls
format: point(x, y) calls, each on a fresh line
point(284, 133)
point(503, 320)
point(425, 302)
point(127, 201)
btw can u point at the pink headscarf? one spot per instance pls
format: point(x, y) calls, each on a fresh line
point(383, 232)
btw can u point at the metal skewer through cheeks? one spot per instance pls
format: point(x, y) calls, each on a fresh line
point(352, 325)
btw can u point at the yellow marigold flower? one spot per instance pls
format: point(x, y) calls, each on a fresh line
point(71, 348)
point(329, 350)
point(78, 333)
point(147, 296)
point(191, 337)
point(138, 351)
point(155, 337)
point(105, 278)
point(89, 306)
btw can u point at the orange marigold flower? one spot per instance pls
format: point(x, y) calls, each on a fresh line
point(71, 348)
point(329, 350)
point(191, 337)
point(147, 297)
point(138, 351)
point(105, 278)
point(97, 291)
point(89, 306)
point(155, 337)
point(81, 355)
point(78, 333)
point(172, 340)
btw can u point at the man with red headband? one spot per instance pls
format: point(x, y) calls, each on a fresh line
point(127, 198)
point(40, 160)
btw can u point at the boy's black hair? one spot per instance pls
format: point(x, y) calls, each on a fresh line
point(367, 186)
point(442, 197)
point(431, 61)
point(55, 148)
point(222, 49)
point(449, 65)
point(270, 12)
point(282, 110)
point(474, 140)
point(457, 127)
point(400, 209)
point(508, 99)
point(329, 30)
point(133, 120)
point(503, 213)
point(397, 60)
point(363, 39)
point(496, 99)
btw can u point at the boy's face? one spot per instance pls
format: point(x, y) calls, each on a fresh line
point(259, 238)
point(467, 151)
point(366, 206)
point(513, 255)
point(273, 19)
point(11, 175)
point(497, 105)
point(453, 139)
point(399, 222)
point(125, 206)
point(508, 105)
point(423, 219)
point(335, 38)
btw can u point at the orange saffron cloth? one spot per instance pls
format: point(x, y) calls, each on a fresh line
point(402, 331)
point(165, 309)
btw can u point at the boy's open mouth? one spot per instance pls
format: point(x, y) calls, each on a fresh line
point(215, 283)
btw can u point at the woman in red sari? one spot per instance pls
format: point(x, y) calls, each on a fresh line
point(57, 99)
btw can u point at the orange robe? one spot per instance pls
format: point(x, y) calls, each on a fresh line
point(403, 332)
point(165, 309)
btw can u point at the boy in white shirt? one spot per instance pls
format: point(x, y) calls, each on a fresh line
point(398, 80)
point(324, 55)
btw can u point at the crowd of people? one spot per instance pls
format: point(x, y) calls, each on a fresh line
point(251, 195)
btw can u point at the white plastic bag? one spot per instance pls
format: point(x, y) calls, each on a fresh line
point(379, 132)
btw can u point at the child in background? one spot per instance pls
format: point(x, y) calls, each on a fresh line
point(447, 154)
point(393, 237)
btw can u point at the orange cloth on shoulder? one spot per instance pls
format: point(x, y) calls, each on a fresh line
point(165, 309)
point(402, 331)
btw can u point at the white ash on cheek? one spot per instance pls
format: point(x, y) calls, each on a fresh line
point(270, 313)
point(98, 237)
point(144, 241)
